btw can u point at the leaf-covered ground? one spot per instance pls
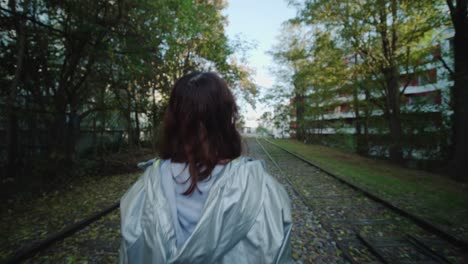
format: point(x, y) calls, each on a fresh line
point(310, 241)
point(23, 222)
point(428, 195)
point(97, 243)
point(346, 213)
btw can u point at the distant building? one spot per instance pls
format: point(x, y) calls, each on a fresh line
point(426, 99)
point(248, 130)
point(276, 127)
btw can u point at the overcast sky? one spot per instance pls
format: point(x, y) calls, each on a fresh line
point(258, 21)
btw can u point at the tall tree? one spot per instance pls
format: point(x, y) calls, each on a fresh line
point(459, 15)
point(317, 72)
point(11, 116)
point(103, 64)
point(292, 51)
point(385, 34)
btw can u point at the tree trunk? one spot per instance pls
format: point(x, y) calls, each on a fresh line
point(128, 117)
point(300, 131)
point(389, 38)
point(12, 143)
point(12, 121)
point(156, 119)
point(73, 132)
point(57, 137)
point(137, 129)
point(361, 144)
point(366, 119)
point(102, 146)
point(154, 130)
point(393, 114)
point(94, 140)
point(460, 93)
point(300, 109)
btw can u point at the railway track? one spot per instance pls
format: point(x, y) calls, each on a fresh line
point(366, 228)
point(29, 251)
point(334, 214)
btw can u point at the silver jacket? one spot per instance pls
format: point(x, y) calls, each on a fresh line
point(246, 219)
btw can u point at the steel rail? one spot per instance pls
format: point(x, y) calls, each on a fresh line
point(304, 200)
point(426, 225)
point(32, 249)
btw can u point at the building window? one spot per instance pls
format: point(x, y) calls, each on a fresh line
point(452, 45)
point(427, 77)
point(420, 78)
point(425, 98)
point(436, 52)
point(408, 80)
point(344, 108)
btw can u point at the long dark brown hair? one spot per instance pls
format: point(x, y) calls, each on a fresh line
point(199, 125)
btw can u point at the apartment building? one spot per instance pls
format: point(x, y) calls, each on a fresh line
point(425, 109)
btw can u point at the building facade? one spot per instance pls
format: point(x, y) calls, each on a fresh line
point(424, 105)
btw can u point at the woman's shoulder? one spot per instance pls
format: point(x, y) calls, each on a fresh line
point(248, 169)
point(147, 163)
point(256, 168)
point(246, 161)
point(251, 164)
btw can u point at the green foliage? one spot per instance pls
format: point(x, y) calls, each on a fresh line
point(262, 131)
point(357, 54)
point(103, 65)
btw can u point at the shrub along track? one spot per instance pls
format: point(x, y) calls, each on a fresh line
point(366, 228)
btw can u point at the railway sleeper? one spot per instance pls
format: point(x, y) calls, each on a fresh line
point(406, 249)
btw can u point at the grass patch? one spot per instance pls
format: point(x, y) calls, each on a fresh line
point(431, 196)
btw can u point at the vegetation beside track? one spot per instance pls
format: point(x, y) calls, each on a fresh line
point(434, 197)
point(26, 221)
point(97, 243)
